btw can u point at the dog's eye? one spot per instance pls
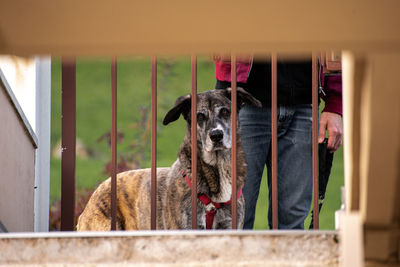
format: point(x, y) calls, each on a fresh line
point(224, 112)
point(200, 117)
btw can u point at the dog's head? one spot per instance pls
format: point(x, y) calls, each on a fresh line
point(213, 116)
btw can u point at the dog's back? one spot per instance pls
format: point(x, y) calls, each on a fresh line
point(133, 191)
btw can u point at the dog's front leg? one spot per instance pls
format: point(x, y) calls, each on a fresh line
point(240, 212)
point(187, 218)
point(201, 218)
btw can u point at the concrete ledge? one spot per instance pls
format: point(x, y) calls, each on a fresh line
point(173, 248)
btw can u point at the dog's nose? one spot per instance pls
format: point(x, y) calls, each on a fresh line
point(216, 135)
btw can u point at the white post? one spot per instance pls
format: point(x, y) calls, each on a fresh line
point(351, 240)
point(43, 118)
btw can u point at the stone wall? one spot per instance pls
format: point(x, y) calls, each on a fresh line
point(173, 248)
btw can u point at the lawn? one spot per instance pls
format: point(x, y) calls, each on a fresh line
point(94, 120)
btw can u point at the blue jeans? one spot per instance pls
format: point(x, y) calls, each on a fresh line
point(294, 162)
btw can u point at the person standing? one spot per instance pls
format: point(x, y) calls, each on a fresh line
point(294, 111)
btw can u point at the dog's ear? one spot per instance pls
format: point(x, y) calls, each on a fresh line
point(182, 106)
point(243, 97)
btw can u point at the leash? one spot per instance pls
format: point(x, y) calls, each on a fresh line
point(211, 206)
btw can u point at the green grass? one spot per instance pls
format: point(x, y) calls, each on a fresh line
point(134, 77)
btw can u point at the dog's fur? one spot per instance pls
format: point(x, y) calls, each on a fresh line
point(173, 192)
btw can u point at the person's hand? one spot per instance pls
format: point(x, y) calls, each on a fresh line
point(332, 123)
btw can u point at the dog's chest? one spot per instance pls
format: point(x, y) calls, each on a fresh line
point(225, 183)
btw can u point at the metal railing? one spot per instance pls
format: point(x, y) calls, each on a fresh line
point(69, 136)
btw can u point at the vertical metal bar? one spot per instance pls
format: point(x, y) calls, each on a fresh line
point(274, 142)
point(315, 139)
point(194, 140)
point(233, 127)
point(153, 225)
point(114, 144)
point(68, 144)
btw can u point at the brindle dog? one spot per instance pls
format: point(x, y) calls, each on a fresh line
point(173, 190)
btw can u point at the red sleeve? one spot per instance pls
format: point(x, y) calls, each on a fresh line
point(333, 91)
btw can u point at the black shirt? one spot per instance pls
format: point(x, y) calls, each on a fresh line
point(294, 80)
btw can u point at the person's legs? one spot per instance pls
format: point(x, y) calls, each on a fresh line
point(255, 136)
point(294, 167)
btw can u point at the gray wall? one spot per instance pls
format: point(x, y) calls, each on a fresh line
point(17, 164)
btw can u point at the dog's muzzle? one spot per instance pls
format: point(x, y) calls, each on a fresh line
point(216, 135)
